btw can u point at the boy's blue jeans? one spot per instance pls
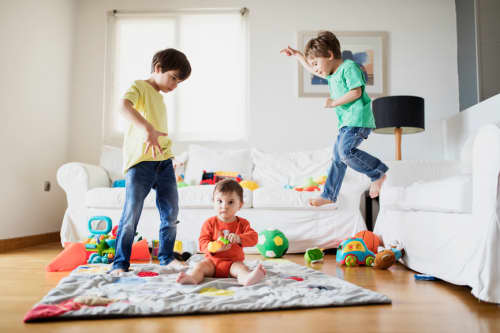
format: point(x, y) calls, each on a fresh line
point(346, 154)
point(140, 179)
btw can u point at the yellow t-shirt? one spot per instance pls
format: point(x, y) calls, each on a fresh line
point(149, 103)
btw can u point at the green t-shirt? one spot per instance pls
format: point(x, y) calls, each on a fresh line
point(357, 113)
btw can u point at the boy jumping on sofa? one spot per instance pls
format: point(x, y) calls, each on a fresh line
point(227, 260)
point(346, 83)
point(147, 156)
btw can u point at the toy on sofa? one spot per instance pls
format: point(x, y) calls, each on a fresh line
point(353, 252)
point(311, 186)
point(249, 184)
point(211, 178)
point(272, 243)
point(101, 245)
point(313, 255)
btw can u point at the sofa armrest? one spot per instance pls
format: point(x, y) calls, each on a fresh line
point(77, 178)
point(485, 172)
point(404, 173)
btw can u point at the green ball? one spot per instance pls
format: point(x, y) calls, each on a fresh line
point(272, 243)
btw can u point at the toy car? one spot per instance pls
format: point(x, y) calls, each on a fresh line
point(353, 252)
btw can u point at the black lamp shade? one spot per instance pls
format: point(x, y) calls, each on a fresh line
point(405, 112)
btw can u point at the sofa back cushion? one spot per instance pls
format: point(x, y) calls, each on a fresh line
point(295, 168)
point(211, 160)
point(111, 161)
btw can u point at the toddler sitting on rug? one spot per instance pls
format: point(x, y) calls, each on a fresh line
point(226, 260)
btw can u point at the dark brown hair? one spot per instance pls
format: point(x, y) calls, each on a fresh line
point(319, 46)
point(172, 60)
point(229, 185)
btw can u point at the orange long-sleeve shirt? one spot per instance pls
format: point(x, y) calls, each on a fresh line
point(213, 228)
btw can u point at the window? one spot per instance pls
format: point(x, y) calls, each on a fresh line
point(212, 104)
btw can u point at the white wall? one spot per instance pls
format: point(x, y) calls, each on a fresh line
point(422, 60)
point(36, 39)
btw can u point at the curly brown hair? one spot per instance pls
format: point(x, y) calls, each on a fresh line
point(324, 42)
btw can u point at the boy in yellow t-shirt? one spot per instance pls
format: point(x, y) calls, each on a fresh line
point(147, 156)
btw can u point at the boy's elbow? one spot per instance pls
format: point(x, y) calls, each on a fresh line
point(358, 92)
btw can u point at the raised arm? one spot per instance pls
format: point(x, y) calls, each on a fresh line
point(300, 58)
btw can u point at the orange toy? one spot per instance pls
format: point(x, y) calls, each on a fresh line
point(371, 240)
point(140, 251)
point(73, 255)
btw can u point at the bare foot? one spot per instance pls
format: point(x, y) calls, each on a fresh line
point(116, 272)
point(254, 276)
point(184, 278)
point(376, 186)
point(318, 202)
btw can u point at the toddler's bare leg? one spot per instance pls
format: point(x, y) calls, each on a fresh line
point(200, 270)
point(246, 277)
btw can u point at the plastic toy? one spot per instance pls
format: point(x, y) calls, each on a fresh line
point(320, 180)
point(181, 182)
point(73, 255)
point(371, 240)
point(216, 245)
point(311, 186)
point(425, 277)
point(100, 243)
point(272, 243)
point(249, 184)
point(353, 252)
point(119, 183)
point(140, 251)
point(313, 255)
point(155, 246)
point(179, 254)
point(210, 178)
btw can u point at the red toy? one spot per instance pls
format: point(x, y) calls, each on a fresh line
point(211, 178)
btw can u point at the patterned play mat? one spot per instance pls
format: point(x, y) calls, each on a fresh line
point(151, 290)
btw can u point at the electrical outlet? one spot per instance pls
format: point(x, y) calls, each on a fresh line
point(46, 186)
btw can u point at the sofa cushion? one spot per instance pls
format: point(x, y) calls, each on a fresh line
point(295, 168)
point(452, 194)
point(211, 160)
point(199, 196)
point(278, 197)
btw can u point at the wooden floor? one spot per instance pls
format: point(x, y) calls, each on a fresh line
point(417, 306)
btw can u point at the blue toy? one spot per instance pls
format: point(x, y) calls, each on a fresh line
point(100, 243)
point(353, 252)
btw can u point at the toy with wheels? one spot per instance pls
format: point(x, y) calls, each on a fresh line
point(272, 243)
point(101, 245)
point(354, 252)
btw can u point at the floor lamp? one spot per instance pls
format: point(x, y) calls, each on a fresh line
point(399, 115)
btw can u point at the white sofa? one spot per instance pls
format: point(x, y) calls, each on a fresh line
point(271, 206)
point(446, 213)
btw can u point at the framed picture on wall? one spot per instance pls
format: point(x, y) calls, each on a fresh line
point(366, 48)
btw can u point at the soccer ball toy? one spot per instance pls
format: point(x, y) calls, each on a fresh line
point(272, 243)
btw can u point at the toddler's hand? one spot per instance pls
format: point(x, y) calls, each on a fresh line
point(330, 103)
point(234, 238)
point(289, 51)
point(152, 141)
point(224, 247)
